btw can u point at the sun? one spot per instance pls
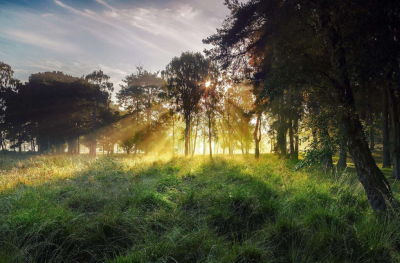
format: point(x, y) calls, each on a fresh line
point(208, 83)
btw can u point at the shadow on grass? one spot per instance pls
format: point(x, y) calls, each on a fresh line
point(227, 209)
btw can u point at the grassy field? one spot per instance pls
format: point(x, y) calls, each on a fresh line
point(228, 209)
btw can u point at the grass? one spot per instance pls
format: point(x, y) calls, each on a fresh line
point(229, 209)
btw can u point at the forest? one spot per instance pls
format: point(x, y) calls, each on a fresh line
point(280, 142)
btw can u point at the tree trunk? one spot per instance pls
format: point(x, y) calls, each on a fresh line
point(281, 137)
point(257, 150)
point(241, 144)
point(209, 135)
point(173, 135)
point(372, 133)
point(326, 159)
point(291, 139)
point(342, 163)
point(394, 114)
point(94, 127)
point(204, 140)
point(295, 156)
point(19, 144)
point(376, 186)
point(385, 132)
point(187, 138)
point(195, 137)
point(257, 136)
point(72, 146)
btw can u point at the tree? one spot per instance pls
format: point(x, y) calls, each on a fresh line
point(319, 52)
point(7, 86)
point(141, 98)
point(186, 79)
point(102, 90)
point(210, 103)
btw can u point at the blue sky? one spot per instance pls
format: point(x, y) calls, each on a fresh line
point(77, 37)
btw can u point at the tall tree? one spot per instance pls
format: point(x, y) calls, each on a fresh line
point(186, 77)
point(140, 97)
point(310, 39)
point(102, 90)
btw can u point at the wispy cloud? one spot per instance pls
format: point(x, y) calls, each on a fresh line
point(183, 24)
point(40, 41)
point(105, 4)
point(78, 37)
point(132, 38)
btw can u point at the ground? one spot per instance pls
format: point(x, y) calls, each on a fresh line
point(225, 209)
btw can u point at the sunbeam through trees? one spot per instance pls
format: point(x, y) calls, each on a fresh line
point(279, 142)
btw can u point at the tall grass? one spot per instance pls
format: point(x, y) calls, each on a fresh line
point(228, 209)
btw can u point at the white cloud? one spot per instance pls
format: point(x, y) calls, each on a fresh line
point(126, 34)
point(110, 35)
point(105, 4)
point(40, 41)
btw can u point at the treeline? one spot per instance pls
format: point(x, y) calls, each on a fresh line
point(53, 112)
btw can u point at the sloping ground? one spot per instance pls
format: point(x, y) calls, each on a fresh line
point(229, 209)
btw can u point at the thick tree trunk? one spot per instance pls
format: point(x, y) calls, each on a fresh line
point(376, 186)
point(257, 136)
point(257, 150)
point(385, 132)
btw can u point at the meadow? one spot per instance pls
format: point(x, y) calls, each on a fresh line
point(121, 209)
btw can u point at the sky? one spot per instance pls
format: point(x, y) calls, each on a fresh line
point(78, 37)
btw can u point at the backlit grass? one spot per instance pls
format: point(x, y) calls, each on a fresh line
point(228, 209)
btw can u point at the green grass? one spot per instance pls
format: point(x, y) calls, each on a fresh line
point(229, 209)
